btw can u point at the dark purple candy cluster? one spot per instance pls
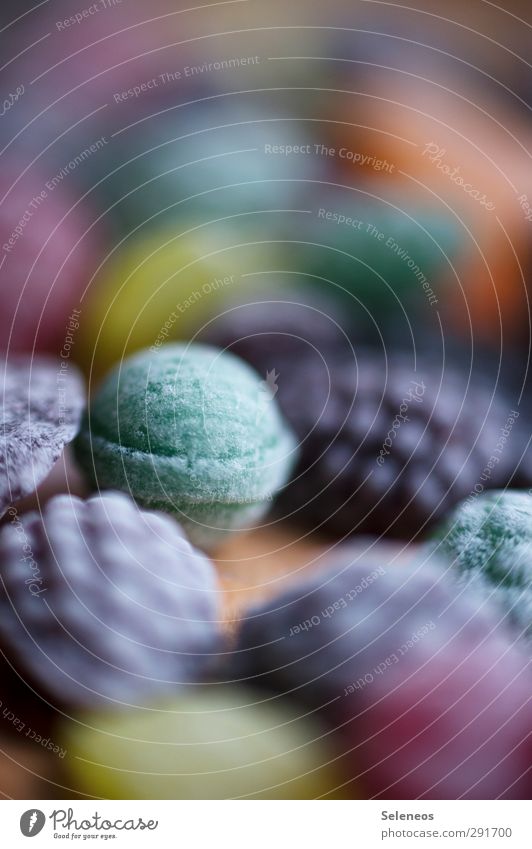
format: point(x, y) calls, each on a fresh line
point(388, 446)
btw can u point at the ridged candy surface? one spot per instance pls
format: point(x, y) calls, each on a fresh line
point(421, 679)
point(102, 603)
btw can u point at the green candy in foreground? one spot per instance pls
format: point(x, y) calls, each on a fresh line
point(218, 743)
point(190, 430)
point(489, 539)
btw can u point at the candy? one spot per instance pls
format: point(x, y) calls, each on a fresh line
point(210, 744)
point(206, 160)
point(450, 161)
point(162, 287)
point(422, 681)
point(102, 603)
point(42, 402)
point(191, 430)
point(387, 446)
point(384, 260)
point(275, 328)
point(89, 57)
point(48, 252)
point(489, 539)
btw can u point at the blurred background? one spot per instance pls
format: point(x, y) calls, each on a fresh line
point(272, 145)
point(295, 181)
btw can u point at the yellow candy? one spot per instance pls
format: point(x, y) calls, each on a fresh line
point(163, 287)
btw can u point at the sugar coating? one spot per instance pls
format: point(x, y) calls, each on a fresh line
point(190, 429)
point(41, 412)
point(490, 542)
point(102, 603)
point(386, 448)
point(214, 743)
point(428, 688)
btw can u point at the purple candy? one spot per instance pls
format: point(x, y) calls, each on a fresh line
point(42, 402)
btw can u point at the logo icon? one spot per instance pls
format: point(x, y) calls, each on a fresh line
point(32, 822)
point(269, 386)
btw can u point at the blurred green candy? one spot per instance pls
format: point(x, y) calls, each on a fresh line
point(489, 540)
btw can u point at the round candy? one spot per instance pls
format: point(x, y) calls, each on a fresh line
point(163, 287)
point(220, 743)
point(191, 430)
point(387, 446)
point(423, 682)
point(277, 327)
point(209, 159)
point(449, 162)
point(48, 251)
point(42, 402)
point(489, 540)
point(102, 603)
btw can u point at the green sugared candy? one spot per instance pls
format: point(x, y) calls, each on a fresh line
point(191, 430)
point(489, 539)
point(213, 744)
